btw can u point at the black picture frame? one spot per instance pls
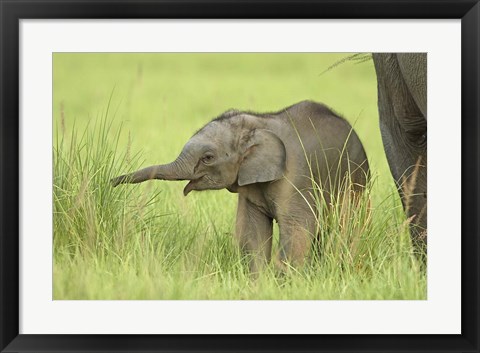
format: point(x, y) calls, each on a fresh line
point(12, 11)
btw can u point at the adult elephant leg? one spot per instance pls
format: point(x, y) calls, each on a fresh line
point(254, 234)
point(403, 124)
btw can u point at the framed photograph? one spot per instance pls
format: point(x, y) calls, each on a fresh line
point(237, 176)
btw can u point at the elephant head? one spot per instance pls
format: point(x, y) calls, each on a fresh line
point(233, 150)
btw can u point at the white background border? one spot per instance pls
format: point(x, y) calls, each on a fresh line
point(39, 314)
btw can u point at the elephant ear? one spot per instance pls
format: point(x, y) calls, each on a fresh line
point(264, 159)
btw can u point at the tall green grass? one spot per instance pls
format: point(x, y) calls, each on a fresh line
point(147, 241)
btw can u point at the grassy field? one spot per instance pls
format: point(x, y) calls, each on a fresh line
point(114, 113)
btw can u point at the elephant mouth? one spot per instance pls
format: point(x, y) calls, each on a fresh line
point(191, 186)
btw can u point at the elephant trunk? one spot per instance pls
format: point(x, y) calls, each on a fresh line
point(172, 171)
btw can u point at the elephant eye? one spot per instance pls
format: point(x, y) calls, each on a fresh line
point(423, 139)
point(419, 139)
point(208, 158)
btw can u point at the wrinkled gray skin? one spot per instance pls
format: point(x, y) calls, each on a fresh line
point(402, 105)
point(260, 157)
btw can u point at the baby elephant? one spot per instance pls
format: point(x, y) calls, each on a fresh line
point(273, 161)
